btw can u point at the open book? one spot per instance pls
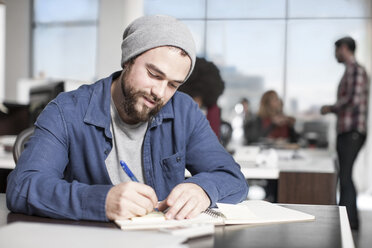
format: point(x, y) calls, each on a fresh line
point(247, 212)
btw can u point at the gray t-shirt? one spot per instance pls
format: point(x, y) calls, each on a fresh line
point(127, 141)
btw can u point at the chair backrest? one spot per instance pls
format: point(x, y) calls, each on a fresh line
point(20, 141)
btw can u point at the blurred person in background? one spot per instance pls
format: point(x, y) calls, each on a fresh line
point(205, 85)
point(247, 111)
point(351, 109)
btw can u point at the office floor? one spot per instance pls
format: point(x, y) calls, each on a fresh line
point(363, 238)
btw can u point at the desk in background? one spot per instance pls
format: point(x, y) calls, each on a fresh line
point(15, 120)
point(305, 176)
point(6, 159)
point(330, 229)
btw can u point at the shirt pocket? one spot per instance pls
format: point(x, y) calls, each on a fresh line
point(174, 169)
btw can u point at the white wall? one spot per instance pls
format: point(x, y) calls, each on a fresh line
point(362, 173)
point(2, 51)
point(114, 16)
point(17, 44)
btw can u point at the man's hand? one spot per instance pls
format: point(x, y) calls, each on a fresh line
point(130, 199)
point(325, 109)
point(185, 201)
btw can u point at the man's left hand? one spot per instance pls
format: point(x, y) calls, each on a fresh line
point(185, 201)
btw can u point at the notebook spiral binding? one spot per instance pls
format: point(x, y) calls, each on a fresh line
point(214, 213)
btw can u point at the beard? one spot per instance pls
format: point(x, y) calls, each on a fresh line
point(131, 103)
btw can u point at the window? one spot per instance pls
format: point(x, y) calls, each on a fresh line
point(65, 39)
point(285, 45)
point(312, 69)
point(250, 57)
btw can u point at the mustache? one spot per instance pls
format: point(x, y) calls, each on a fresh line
point(137, 94)
point(153, 98)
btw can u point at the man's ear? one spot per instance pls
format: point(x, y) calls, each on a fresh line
point(124, 66)
point(129, 63)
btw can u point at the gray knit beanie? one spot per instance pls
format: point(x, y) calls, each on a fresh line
point(148, 32)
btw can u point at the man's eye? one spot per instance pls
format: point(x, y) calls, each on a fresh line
point(173, 85)
point(153, 75)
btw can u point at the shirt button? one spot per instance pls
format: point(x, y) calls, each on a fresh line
point(178, 159)
point(107, 152)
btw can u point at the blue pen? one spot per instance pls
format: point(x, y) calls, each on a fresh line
point(131, 175)
point(128, 171)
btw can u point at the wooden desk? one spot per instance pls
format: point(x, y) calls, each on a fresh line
point(303, 160)
point(330, 229)
point(306, 176)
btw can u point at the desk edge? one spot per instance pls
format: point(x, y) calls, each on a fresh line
point(346, 236)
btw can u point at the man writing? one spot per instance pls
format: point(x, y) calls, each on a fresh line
point(71, 168)
point(351, 109)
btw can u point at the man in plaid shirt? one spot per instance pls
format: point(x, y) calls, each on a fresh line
point(351, 109)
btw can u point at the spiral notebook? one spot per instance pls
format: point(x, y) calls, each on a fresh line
point(247, 212)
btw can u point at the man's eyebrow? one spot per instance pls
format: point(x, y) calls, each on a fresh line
point(154, 68)
point(157, 70)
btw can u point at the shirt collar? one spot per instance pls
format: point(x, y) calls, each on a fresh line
point(351, 61)
point(98, 111)
point(167, 112)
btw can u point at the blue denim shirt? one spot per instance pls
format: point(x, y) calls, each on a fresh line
point(62, 171)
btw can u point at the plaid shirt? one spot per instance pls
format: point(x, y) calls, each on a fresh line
point(351, 107)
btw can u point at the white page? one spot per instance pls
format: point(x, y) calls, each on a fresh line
point(156, 220)
point(247, 212)
point(236, 212)
point(262, 212)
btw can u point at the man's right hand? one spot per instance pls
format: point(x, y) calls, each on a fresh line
point(325, 109)
point(130, 199)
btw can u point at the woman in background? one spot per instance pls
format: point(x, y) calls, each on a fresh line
point(270, 123)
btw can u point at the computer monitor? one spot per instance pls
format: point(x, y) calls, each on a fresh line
point(40, 96)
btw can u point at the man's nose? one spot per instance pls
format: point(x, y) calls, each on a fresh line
point(159, 88)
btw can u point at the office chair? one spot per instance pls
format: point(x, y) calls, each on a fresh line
point(316, 133)
point(20, 141)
